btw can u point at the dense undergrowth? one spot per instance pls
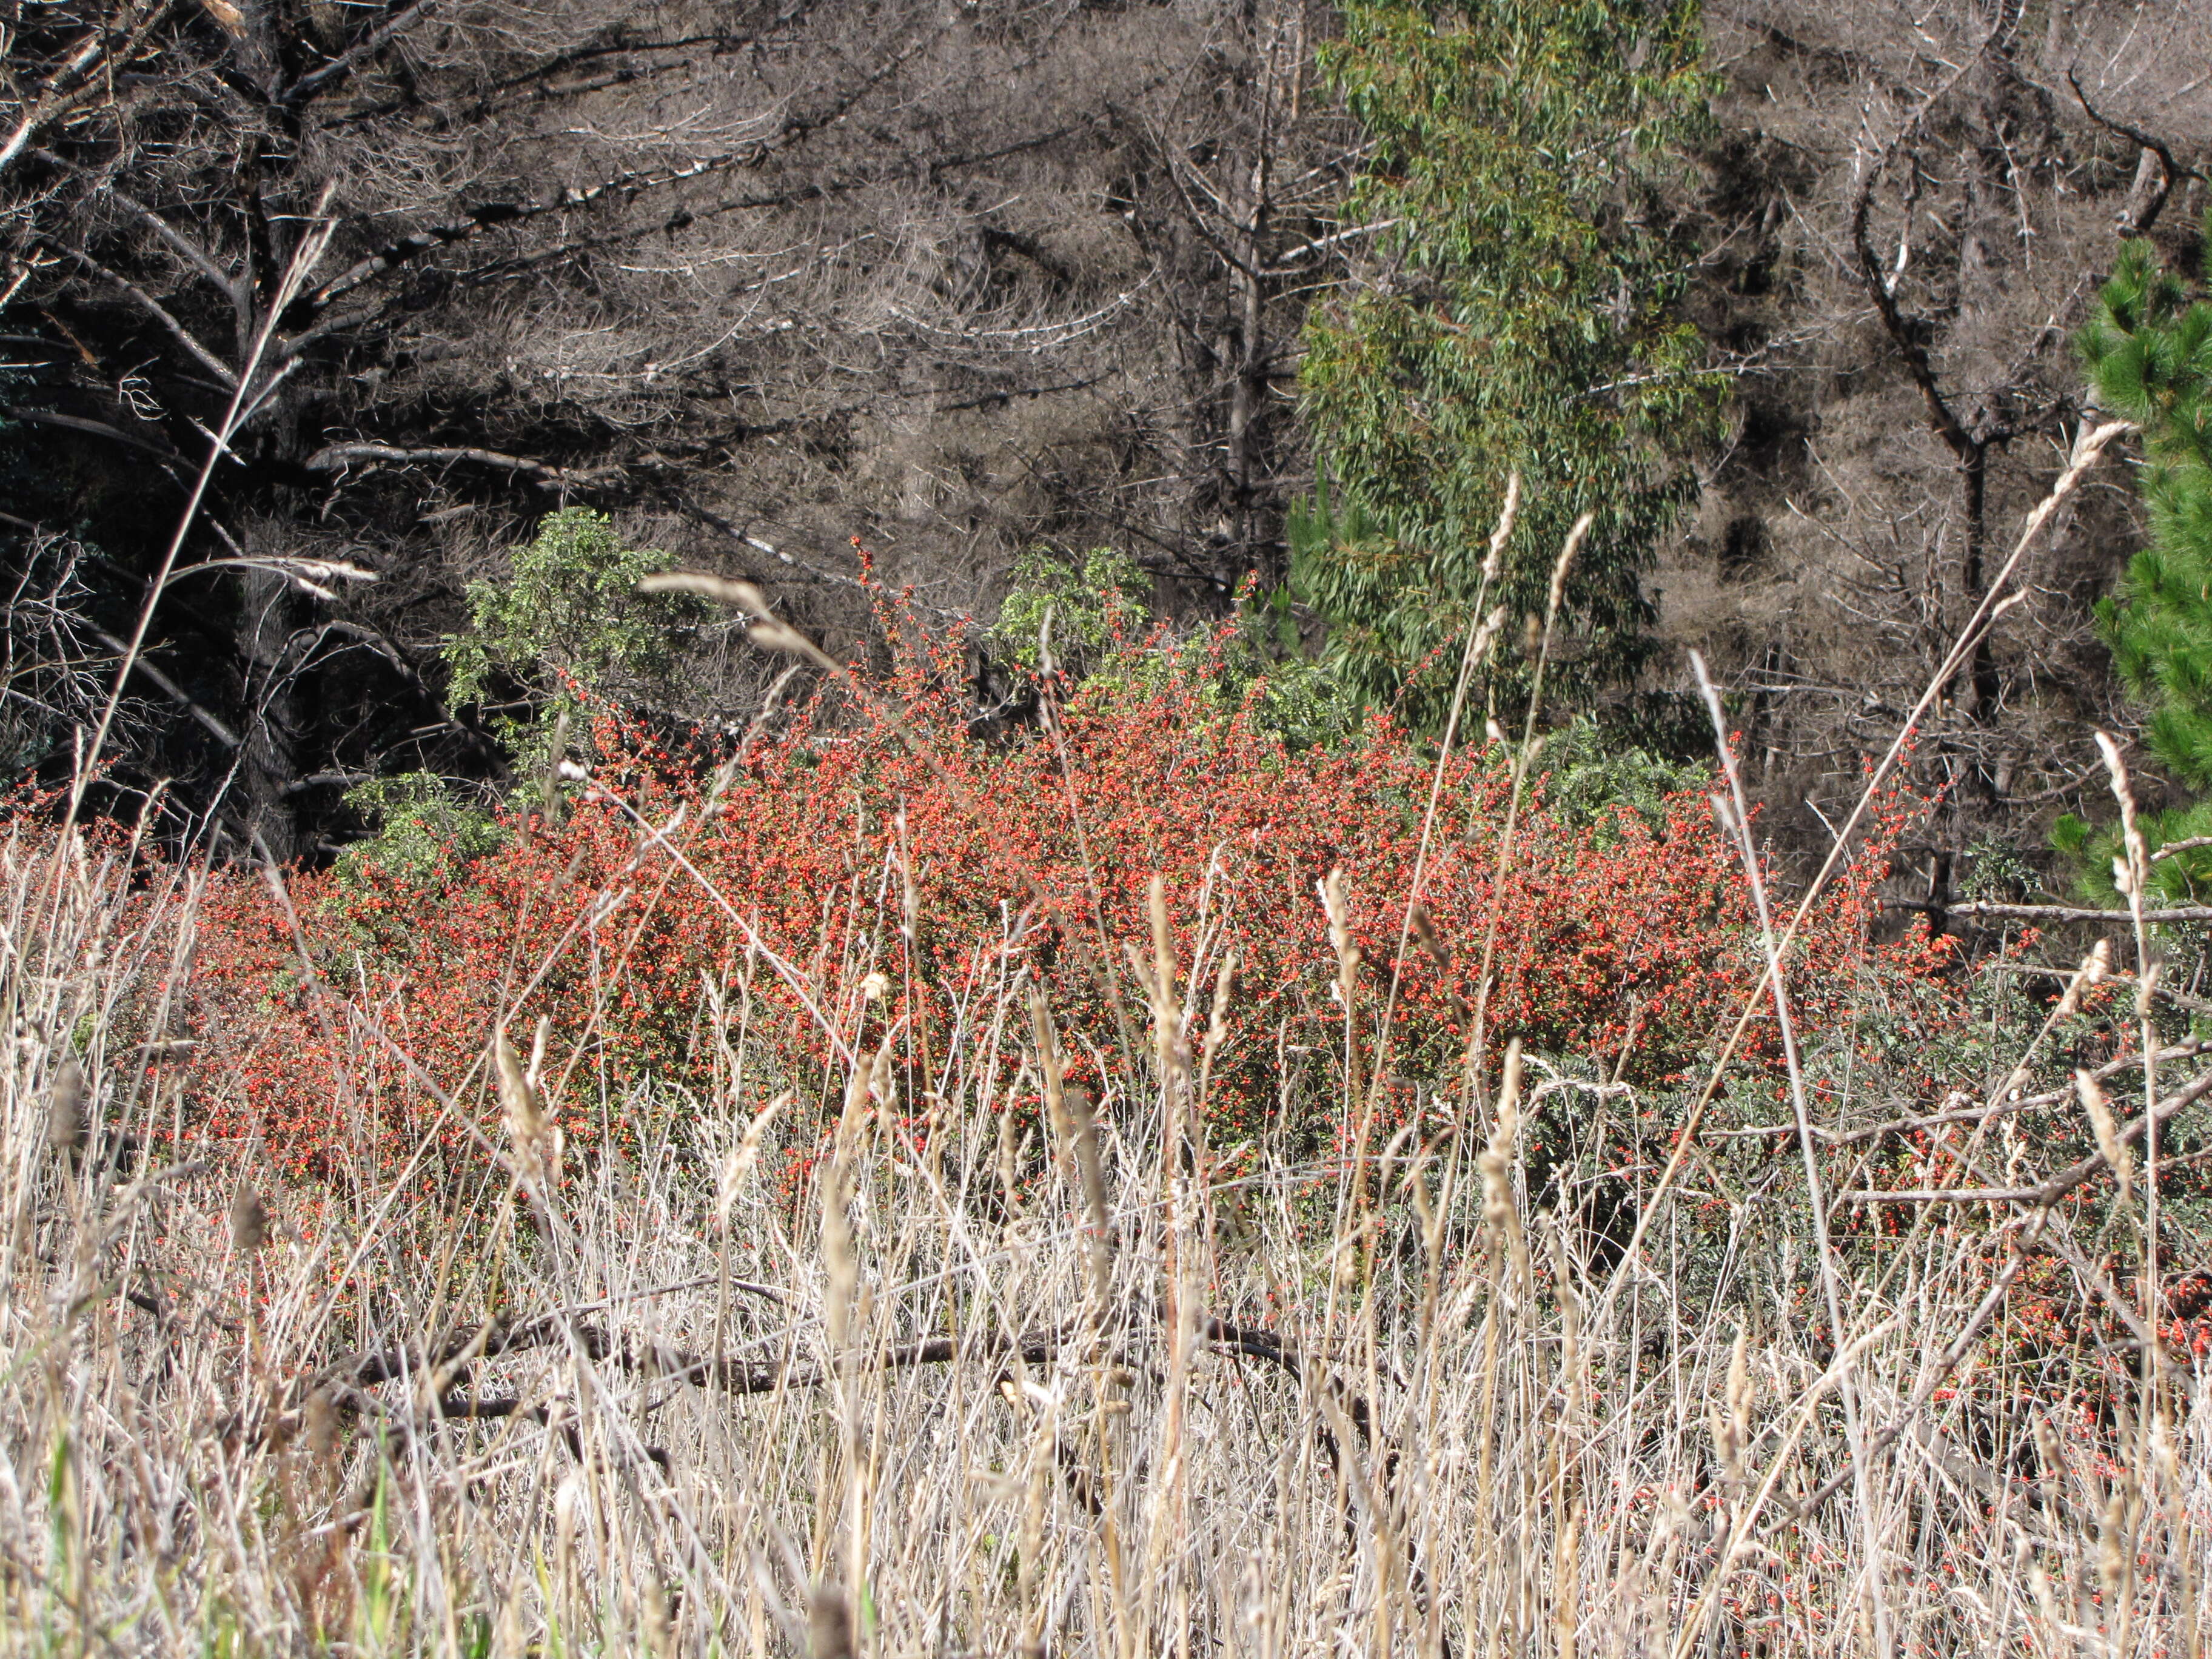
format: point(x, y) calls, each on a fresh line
point(865, 865)
point(868, 1185)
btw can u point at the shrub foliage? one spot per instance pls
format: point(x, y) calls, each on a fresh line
point(869, 856)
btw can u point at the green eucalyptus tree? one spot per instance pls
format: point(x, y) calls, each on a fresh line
point(1517, 315)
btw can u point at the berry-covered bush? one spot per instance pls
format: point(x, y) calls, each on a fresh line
point(864, 876)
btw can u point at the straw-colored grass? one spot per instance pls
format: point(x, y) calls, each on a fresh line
point(1047, 1384)
point(982, 1364)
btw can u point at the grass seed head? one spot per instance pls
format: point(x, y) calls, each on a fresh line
point(829, 1623)
point(537, 1141)
point(1425, 930)
point(1494, 560)
point(2092, 972)
point(1336, 903)
point(2113, 1568)
point(320, 1420)
point(65, 1120)
point(746, 1154)
point(2108, 1131)
point(1501, 1213)
point(249, 1219)
point(1732, 1427)
point(1572, 547)
point(734, 591)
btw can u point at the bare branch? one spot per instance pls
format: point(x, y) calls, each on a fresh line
point(97, 428)
point(336, 458)
point(71, 82)
point(155, 309)
point(170, 689)
point(185, 248)
point(379, 34)
point(2059, 912)
point(2135, 220)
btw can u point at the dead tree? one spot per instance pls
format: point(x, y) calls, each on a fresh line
point(1910, 213)
point(760, 276)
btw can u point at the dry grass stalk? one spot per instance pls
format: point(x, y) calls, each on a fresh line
point(777, 1376)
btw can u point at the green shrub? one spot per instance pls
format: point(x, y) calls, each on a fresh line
point(570, 615)
point(1100, 635)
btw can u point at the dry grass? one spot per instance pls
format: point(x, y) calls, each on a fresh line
point(1052, 1382)
point(913, 1357)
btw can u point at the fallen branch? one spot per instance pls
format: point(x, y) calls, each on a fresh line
point(2056, 912)
point(498, 1337)
point(338, 457)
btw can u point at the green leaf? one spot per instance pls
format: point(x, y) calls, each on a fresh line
point(1522, 318)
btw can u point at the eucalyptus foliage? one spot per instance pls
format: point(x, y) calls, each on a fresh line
point(568, 621)
point(1519, 316)
point(570, 615)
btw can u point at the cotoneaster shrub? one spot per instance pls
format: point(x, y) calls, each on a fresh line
point(837, 874)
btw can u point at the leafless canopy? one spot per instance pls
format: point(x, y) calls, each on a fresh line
point(1913, 208)
point(762, 276)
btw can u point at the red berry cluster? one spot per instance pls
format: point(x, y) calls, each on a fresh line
point(858, 876)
